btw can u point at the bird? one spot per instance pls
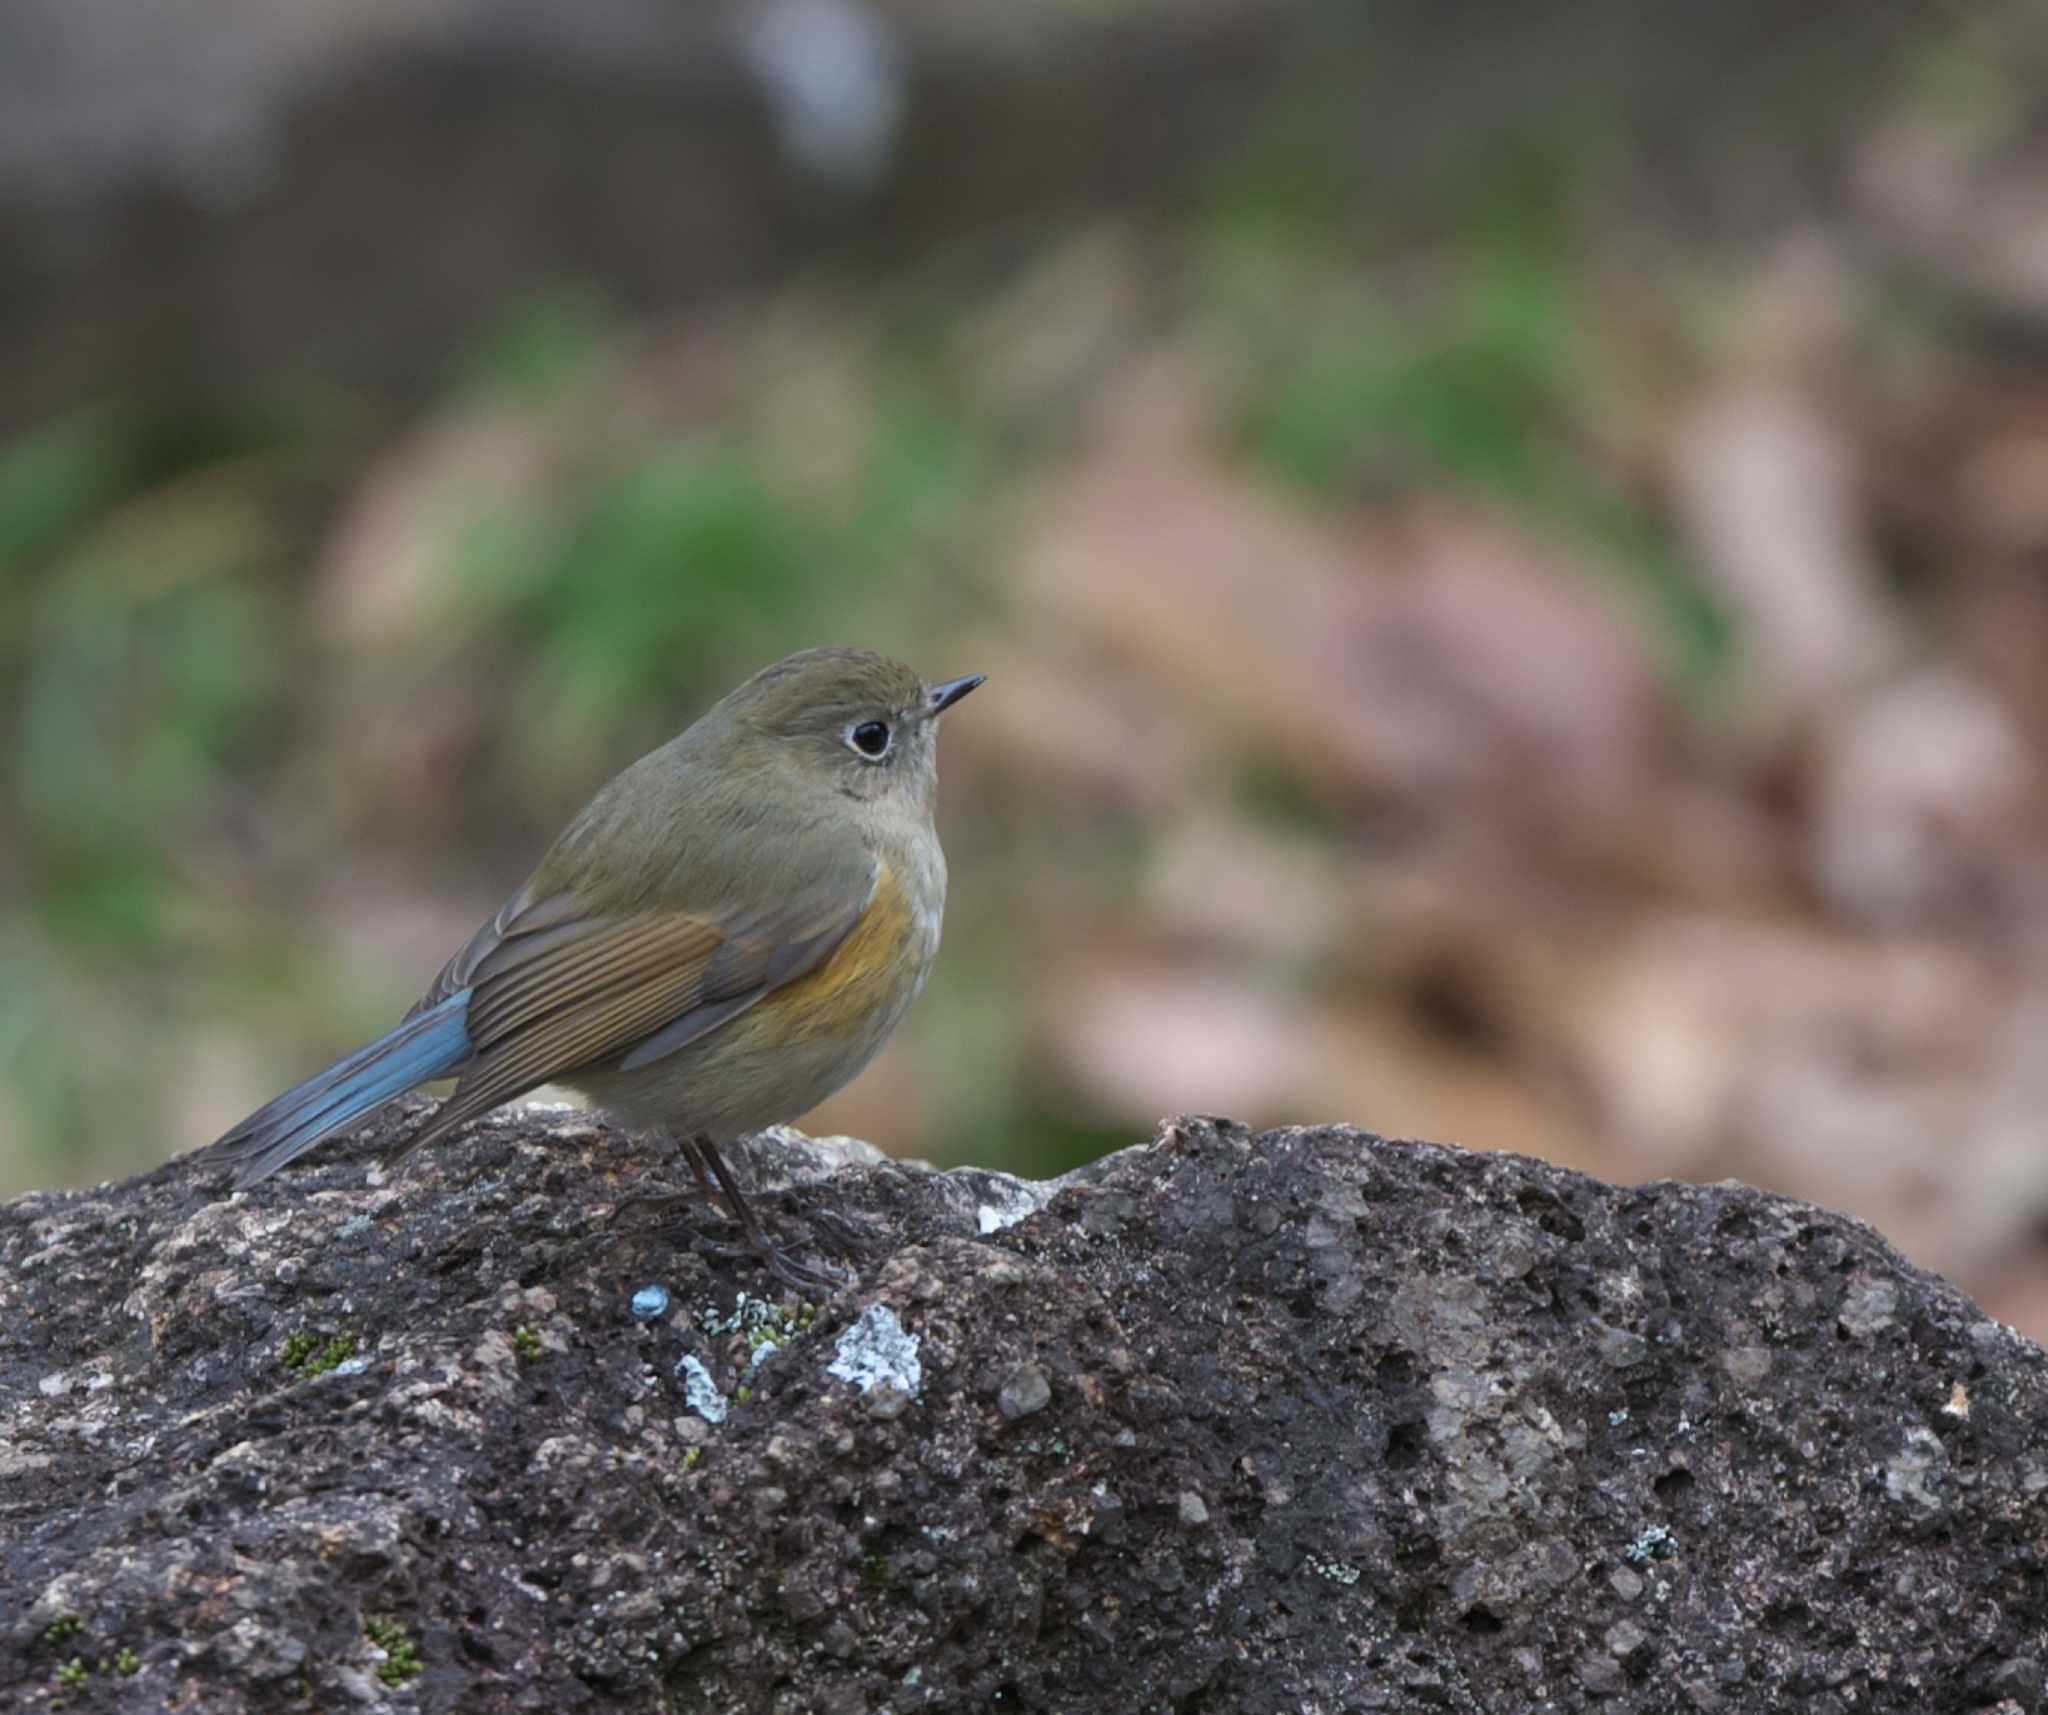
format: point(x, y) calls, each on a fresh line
point(723, 936)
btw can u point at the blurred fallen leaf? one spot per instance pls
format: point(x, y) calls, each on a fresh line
point(1922, 793)
point(388, 565)
point(1447, 664)
point(1140, 1039)
point(1132, 1030)
point(1238, 884)
point(1765, 488)
point(1058, 330)
point(2001, 487)
point(1078, 728)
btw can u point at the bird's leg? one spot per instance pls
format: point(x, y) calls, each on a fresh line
point(661, 1202)
point(716, 1182)
point(704, 1153)
point(696, 1150)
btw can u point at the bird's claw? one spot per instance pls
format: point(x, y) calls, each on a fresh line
point(802, 1277)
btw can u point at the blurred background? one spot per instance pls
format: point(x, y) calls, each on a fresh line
point(1510, 546)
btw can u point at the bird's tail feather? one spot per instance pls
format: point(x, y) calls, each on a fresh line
point(428, 1045)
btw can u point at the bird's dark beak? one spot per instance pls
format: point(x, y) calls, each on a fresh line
point(940, 698)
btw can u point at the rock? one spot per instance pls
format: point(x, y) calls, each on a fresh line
point(404, 1444)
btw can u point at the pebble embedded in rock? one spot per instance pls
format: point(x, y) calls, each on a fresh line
point(1867, 1307)
point(1192, 1509)
point(1600, 1674)
point(1619, 1347)
point(1109, 1521)
point(2020, 1678)
point(887, 1401)
point(1025, 1389)
point(650, 1302)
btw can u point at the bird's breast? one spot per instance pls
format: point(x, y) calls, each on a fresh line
point(875, 972)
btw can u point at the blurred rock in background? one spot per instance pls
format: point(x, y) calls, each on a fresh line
point(1511, 550)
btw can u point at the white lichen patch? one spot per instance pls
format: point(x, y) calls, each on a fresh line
point(450, 1420)
point(1005, 1201)
point(60, 1382)
point(876, 1351)
point(700, 1392)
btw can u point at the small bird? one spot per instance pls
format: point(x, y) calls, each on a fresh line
point(721, 938)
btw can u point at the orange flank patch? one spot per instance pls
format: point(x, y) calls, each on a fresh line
point(871, 970)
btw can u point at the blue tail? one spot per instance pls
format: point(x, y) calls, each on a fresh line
point(428, 1045)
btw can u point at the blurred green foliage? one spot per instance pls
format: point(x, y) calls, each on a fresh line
point(659, 572)
point(53, 480)
point(138, 661)
point(1479, 374)
point(143, 684)
point(539, 345)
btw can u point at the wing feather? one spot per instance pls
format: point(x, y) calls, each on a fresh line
point(556, 988)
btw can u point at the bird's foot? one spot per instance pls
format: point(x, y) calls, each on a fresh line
point(755, 1246)
point(658, 1204)
point(811, 1280)
point(711, 1165)
point(717, 1186)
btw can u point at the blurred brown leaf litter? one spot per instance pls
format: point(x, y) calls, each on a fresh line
point(1583, 696)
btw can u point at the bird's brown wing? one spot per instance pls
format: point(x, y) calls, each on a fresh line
point(555, 988)
point(529, 912)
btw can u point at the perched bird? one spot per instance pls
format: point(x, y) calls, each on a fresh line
point(721, 938)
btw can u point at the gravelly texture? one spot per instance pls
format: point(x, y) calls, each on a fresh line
point(1301, 1421)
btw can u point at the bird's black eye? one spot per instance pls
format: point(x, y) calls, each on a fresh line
point(871, 739)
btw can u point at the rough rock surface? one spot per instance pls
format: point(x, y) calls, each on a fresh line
point(1307, 1421)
